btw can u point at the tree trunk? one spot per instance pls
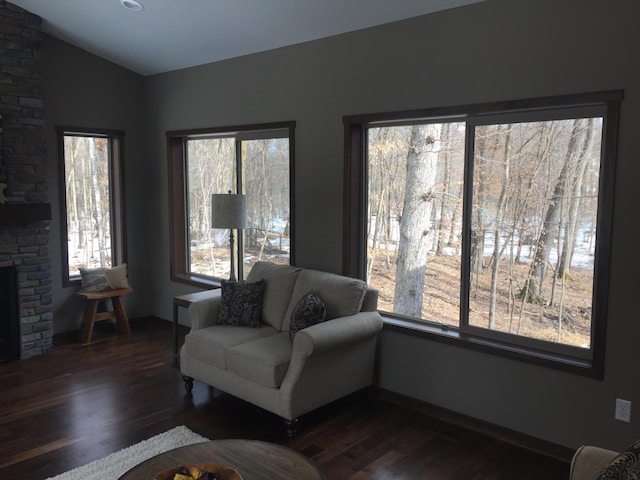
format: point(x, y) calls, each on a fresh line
point(97, 201)
point(531, 292)
point(446, 188)
point(414, 223)
point(477, 234)
point(568, 245)
point(499, 220)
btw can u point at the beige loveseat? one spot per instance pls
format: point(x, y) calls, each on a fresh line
point(588, 462)
point(264, 366)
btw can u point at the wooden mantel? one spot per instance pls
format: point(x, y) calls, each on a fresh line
point(24, 212)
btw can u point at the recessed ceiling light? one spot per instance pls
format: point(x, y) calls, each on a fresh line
point(132, 5)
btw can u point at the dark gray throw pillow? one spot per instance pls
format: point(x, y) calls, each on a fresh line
point(241, 303)
point(626, 466)
point(309, 310)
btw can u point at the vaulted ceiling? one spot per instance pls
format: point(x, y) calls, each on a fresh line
point(155, 36)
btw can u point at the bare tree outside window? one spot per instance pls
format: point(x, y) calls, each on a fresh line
point(265, 182)
point(539, 207)
point(259, 168)
point(415, 215)
point(534, 199)
point(211, 166)
point(489, 225)
point(92, 193)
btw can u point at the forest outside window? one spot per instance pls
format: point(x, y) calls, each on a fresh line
point(253, 160)
point(93, 227)
point(490, 224)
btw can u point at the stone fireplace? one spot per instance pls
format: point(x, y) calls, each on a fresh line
point(26, 214)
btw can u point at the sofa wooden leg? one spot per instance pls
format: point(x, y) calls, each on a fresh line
point(188, 384)
point(291, 427)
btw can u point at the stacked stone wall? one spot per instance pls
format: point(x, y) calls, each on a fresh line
point(24, 242)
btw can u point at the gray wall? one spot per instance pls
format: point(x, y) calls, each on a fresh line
point(491, 51)
point(82, 90)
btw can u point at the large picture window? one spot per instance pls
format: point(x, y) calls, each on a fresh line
point(253, 160)
point(489, 224)
point(93, 227)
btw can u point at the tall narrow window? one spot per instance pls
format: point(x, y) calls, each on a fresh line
point(254, 160)
point(93, 227)
point(490, 224)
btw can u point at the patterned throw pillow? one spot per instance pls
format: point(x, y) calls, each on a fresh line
point(101, 279)
point(241, 304)
point(626, 466)
point(309, 310)
point(93, 280)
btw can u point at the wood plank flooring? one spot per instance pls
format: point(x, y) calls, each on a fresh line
point(81, 403)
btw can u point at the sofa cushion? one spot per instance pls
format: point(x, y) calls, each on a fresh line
point(341, 295)
point(264, 360)
point(626, 466)
point(209, 345)
point(309, 310)
point(280, 280)
point(241, 303)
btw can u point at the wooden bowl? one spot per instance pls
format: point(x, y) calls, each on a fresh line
point(223, 473)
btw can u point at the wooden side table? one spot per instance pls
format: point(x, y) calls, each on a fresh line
point(185, 301)
point(252, 459)
point(91, 314)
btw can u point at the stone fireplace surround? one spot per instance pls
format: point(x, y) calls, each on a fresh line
point(25, 217)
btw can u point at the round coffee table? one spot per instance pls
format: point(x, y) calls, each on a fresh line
point(252, 459)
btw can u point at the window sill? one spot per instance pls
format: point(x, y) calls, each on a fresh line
point(197, 281)
point(449, 335)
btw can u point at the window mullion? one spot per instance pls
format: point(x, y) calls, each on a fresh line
point(113, 206)
point(467, 211)
point(241, 189)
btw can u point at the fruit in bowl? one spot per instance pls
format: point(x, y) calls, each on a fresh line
point(200, 471)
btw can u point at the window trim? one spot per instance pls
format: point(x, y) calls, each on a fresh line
point(355, 229)
point(117, 188)
point(176, 156)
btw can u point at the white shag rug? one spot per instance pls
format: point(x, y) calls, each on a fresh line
point(116, 464)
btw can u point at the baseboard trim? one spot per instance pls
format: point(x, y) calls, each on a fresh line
point(513, 437)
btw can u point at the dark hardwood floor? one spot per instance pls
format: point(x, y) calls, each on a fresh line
point(81, 403)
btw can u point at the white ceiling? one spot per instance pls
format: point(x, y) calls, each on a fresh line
point(172, 34)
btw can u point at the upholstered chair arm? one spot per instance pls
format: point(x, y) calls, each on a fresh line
point(328, 360)
point(589, 461)
point(336, 333)
point(204, 313)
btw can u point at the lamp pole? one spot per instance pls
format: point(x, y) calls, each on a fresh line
point(232, 273)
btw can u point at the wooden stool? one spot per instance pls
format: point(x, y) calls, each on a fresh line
point(91, 314)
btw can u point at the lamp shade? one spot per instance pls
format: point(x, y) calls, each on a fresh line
point(228, 210)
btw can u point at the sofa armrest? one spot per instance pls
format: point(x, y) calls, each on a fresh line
point(203, 313)
point(336, 333)
point(328, 337)
point(589, 461)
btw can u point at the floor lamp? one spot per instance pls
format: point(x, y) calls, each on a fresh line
point(229, 210)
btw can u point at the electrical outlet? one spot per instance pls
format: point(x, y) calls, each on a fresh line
point(623, 410)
